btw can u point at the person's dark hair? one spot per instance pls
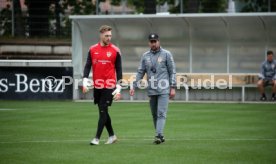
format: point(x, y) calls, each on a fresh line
point(269, 52)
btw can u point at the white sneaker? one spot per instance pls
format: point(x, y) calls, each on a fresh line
point(95, 141)
point(111, 140)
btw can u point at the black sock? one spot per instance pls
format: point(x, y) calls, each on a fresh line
point(263, 95)
point(108, 125)
point(102, 120)
point(273, 94)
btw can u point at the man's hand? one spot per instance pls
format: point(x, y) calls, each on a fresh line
point(117, 93)
point(85, 85)
point(131, 92)
point(117, 97)
point(172, 93)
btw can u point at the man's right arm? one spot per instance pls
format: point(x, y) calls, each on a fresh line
point(262, 72)
point(87, 67)
point(274, 77)
point(86, 71)
point(140, 72)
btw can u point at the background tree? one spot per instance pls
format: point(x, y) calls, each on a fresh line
point(189, 6)
point(211, 6)
point(18, 19)
point(273, 6)
point(5, 21)
point(72, 7)
point(259, 6)
point(79, 7)
point(150, 7)
point(40, 15)
point(138, 4)
point(38, 21)
point(141, 6)
point(50, 17)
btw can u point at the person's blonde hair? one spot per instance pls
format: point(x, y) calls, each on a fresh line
point(105, 28)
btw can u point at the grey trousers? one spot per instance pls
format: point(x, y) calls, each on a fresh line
point(159, 107)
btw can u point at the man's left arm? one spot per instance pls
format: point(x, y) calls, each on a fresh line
point(118, 67)
point(119, 76)
point(171, 70)
point(274, 76)
point(172, 74)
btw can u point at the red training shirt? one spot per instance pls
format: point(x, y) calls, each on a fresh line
point(106, 65)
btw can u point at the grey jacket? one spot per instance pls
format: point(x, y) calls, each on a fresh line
point(268, 70)
point(160, 69)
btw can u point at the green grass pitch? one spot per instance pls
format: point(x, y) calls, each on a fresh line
point(37, 132)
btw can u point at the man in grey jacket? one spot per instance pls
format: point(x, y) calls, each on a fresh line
point(159, 66)
point(268, 76)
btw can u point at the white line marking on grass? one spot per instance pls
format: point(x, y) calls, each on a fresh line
point(44, 141)
point(4, 109)
point(228, 139)
point(142, 139)
point(201, 139)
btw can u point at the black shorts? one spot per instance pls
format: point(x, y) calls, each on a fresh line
point(103, 96)
point(268, 82)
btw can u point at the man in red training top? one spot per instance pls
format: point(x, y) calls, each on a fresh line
point(105, 60)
